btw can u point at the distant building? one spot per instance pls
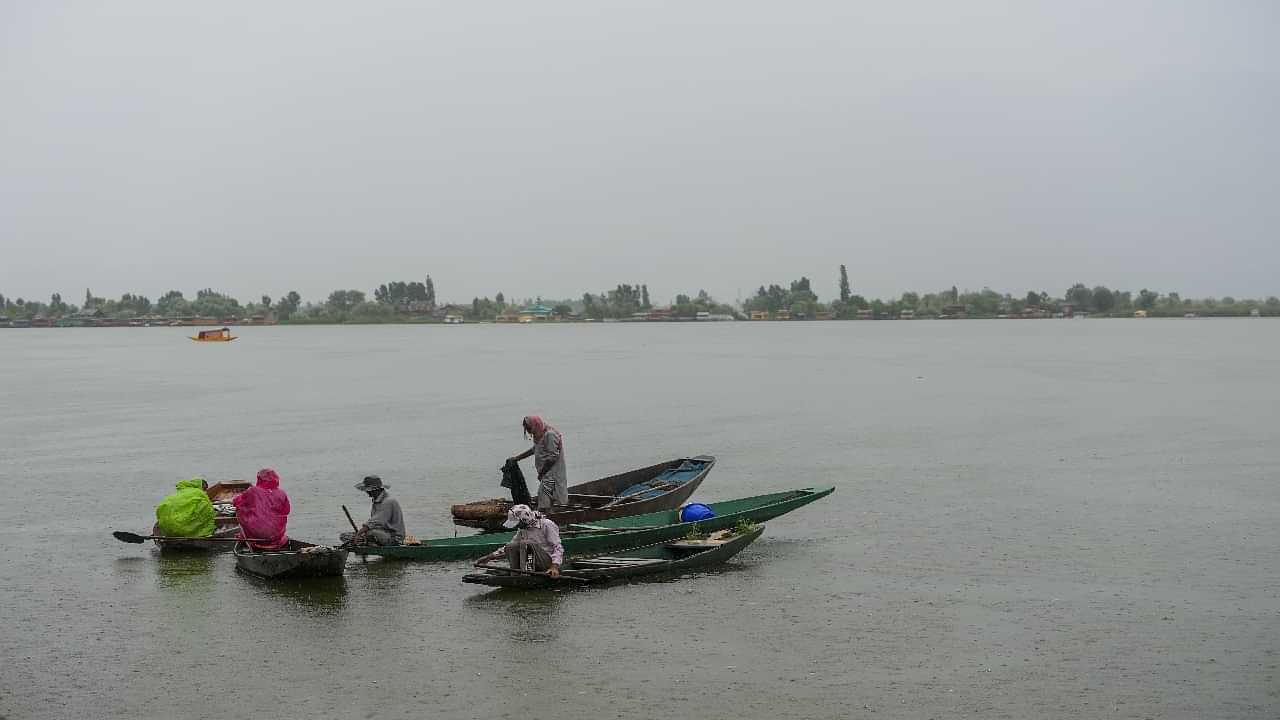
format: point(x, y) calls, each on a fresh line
point(864, 314)
point(1139, 313)
point(954, 312)
point(907, 315)
point(824, 315)
point(444, 311)
point(1255, 313)
point(536, 312)
point(759, 315)
point(782, 315)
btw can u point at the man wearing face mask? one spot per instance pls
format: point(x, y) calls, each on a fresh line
point(386, 522)
point(536, 545)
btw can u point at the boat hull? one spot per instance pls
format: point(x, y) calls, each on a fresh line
point(671, 558)
point(297, 561)
point(617, 533)
point(609, 486)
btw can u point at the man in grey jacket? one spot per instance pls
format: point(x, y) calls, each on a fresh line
point(386, 523)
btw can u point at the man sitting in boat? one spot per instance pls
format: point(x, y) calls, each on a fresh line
point(263, 511)
point(386, 521)
point(536, 544)
point(188, 512)
point(548, 460)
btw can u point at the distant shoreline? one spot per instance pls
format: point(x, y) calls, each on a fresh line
point(39, 325)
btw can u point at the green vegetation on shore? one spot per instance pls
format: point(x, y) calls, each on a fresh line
point(415, 301)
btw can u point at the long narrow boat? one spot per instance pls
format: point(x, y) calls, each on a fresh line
point(657, 487)
point(664, 558)
point(224, 526)
point(298, 560)
point(613, 534)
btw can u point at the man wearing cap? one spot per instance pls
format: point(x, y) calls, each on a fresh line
point(536, 542)
point(386, 522)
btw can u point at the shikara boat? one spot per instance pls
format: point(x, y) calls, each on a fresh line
point(612, 534)
point(219, 335)
point(657, 487)
point(224, 526)
point(663, 558)
point(298, 560)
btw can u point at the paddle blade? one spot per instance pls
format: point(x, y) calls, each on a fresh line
point(129, 537)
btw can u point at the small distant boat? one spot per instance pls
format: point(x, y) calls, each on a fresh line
point(657, 487)
point(219, 335)
point(671, 557)
point(298, 560)
point(224, 525)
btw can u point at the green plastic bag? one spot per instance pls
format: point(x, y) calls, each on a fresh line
point(186, 513)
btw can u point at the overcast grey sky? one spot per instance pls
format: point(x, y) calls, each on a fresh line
point(557, 147)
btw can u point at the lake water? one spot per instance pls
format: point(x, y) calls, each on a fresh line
point(1043, 519)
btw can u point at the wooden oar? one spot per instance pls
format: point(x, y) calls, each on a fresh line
point(580, 527)
point(137, 539)
point(535, 573)
point(663, 486)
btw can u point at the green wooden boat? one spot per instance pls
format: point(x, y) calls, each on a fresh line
point(672, 557)
point(612, 534)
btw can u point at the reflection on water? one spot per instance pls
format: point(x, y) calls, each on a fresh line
point(530, 615)
point(322, 596)
point(384, 576)
point(188, 572)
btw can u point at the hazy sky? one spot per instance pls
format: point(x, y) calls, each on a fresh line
point(558, 147)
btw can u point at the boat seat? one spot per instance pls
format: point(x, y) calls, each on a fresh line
point(614, 562)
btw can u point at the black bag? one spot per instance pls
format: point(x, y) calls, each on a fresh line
point(513, 478)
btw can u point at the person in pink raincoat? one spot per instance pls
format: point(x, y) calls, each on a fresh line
point(263, 511)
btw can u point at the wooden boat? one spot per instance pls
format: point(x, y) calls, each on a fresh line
point(663, 558)
point(657, 487)
point(612, 534)
point(224, 526)
point(298, 560)
point(219, 335)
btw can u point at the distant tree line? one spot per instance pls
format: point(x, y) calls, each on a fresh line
point(400, 301)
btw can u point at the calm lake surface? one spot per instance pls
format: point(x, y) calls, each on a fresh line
point(1047, 519)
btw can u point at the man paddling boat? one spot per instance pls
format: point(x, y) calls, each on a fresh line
point(536, 545)
point(386, 521)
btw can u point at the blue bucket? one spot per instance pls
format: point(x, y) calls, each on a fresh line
point(696, 512)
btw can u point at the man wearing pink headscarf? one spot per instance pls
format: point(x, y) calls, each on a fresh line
point(263, 511)
point(548, 460)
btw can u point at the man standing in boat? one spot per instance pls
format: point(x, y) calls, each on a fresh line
point(536, 544)
point(548, 460)
point(386, 521)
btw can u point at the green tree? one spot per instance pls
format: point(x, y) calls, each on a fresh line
point(370, 312)
point(844, 285)
point(173, 304)
point(430, 289)
point(644, 297)
point(502, 301)
point(1147, 299)
point(1103, 299)
point(1079, 296)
